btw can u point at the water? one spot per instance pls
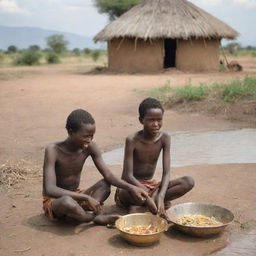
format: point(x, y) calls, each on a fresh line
point(197, 148)
point(242, 246)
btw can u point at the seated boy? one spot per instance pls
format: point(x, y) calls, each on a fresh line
point(62, 169)
point(142, 150)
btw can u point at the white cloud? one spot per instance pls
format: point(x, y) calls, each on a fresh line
point(9, 6)
point(246, 3)
point(207, 2)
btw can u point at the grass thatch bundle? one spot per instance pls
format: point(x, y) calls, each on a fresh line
point(154, 19)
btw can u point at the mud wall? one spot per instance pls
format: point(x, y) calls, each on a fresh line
point(132, 56)
point(197, 55)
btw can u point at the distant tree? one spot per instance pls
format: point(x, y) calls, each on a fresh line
point(232, 47)
point(12, 49)
point(76, 51)
point(57, 43)
point(34, 47)
point(95, 54)
point(87, 51)
point(115, 8)
point(52, 58)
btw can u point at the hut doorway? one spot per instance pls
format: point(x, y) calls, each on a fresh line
point(170, 52)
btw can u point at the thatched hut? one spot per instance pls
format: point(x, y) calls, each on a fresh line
point(159, 34)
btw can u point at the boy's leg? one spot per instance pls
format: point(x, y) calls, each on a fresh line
point(67, 206)
point(179, 187)
point(99, 191)
point(135, 205)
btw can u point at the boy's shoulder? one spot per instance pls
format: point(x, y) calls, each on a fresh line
point(51, 146)
point(138, 136)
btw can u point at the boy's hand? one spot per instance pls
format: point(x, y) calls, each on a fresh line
point(94, 205)
point(160, 205)
point(139, 193)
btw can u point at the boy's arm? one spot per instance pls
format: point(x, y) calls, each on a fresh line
point(112, 179)
point(166, 173)
point(49, 181)
point(128, 164)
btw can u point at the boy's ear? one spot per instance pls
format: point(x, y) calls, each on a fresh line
point(70, 131)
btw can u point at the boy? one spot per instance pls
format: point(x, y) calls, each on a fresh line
point(142, 150)
point(63, 164)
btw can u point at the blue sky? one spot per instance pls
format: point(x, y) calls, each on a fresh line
point(81, 17)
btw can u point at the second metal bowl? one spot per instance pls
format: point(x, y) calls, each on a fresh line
point(187, 209)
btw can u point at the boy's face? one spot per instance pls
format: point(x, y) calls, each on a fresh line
point(152, 121)
point(83, 136)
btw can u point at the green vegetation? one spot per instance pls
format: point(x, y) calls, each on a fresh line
point(235, 49)
point(95, 54)
point(28, 57)
point(115, 8)
point(245, 89)
point(57, 43)
point(225, 92)
point(52, 58)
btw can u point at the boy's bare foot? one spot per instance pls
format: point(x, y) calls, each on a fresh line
point(105, 219)
point(137, 209)
point(167, 204)
point(151, 205)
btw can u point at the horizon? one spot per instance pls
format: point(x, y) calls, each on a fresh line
point(52, 15)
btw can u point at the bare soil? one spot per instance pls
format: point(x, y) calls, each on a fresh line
point(34, 107)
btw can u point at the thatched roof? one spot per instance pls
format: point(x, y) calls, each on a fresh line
point(166, 19)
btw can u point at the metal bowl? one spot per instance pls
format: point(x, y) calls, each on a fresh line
point(219, 213)
point(141, 219)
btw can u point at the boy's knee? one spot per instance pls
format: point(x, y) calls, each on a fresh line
point(188, 182)
point(68, 202)
point(105, 185)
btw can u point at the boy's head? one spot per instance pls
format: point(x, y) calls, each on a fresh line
point(77, 118)
point(147, 104)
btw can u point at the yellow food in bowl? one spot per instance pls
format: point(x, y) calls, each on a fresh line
point(199, 221)
point(142, 229)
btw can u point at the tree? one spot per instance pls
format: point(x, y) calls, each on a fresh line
point(34, 47)
point(95, 54)
point(57, 43)
point(12, 48)
point(115, 8)
point(232, 47)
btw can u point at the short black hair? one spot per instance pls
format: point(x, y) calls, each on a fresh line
point(78, 117)
point(149, 103)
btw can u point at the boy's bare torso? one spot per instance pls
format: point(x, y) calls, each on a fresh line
point(145, 155)
point(68, 166)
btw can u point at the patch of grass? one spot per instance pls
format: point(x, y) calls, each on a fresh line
point(239, 90)
point(234, 91)
point(167, 93)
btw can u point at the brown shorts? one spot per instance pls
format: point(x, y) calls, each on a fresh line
point(47, 205)
point(152, 185)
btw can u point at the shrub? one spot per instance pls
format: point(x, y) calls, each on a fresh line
point(87, 51)
point(2, 57)
point(52, 58)
point(28, 57)
point(95, 55)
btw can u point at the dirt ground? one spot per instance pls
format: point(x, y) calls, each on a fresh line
point(34, 107)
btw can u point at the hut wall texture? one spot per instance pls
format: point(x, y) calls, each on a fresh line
point(197, 55)
point(126, 56)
